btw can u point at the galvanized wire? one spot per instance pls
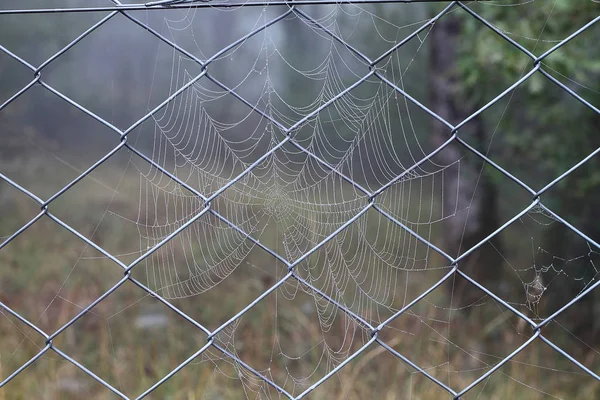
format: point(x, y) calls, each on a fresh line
point(121, 141)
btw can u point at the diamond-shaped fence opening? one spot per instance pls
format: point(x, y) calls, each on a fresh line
point(310, 338)
point(92, 85)
point(298, 199)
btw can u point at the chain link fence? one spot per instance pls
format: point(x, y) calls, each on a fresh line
point(371, 67)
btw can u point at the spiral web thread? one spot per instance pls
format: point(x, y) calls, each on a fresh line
point(289, 132)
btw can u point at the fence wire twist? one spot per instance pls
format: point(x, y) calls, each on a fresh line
point(294, 7)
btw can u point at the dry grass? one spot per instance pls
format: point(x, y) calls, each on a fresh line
point(132, 340)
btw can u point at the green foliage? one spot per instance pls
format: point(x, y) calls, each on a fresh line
point(538, 127)
point(542, 131)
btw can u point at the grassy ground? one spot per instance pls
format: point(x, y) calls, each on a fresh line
point(132, 340)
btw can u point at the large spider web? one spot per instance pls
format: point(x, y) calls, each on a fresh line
point(292, 195)
point(292, 200)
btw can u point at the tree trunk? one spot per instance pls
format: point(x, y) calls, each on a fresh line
point(467, 190)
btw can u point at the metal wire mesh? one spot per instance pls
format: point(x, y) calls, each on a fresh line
point(536, 67)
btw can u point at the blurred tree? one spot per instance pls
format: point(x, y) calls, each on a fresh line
point(472, 194)
point(540, 138)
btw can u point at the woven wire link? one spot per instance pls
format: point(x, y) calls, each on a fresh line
point(371, 70)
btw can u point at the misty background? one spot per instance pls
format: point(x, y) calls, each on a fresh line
point(207, 136)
